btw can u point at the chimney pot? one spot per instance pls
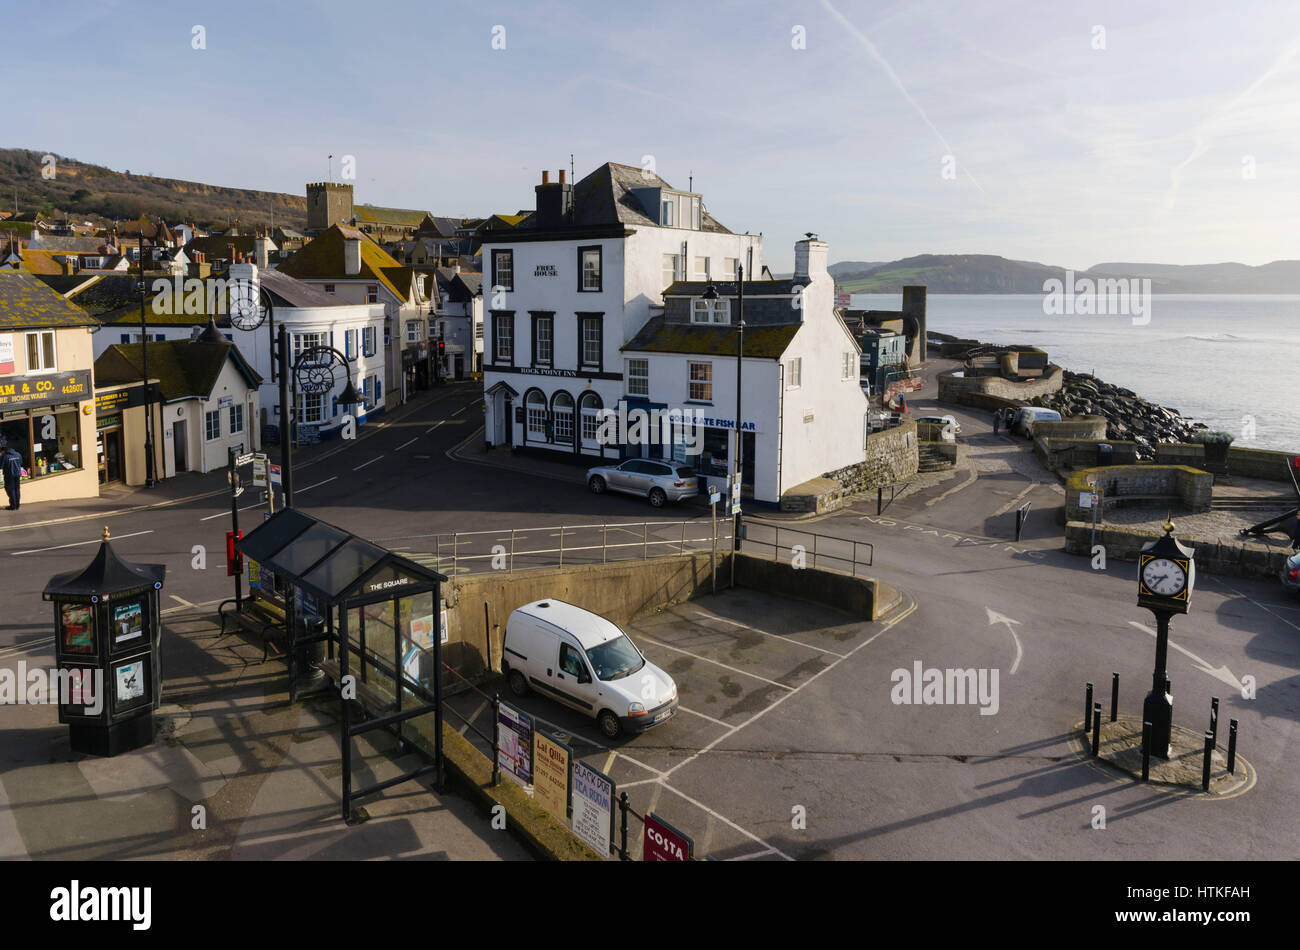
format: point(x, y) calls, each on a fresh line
point(546, 177)
point(561, 176)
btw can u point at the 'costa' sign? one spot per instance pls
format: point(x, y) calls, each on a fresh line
point(663, 842)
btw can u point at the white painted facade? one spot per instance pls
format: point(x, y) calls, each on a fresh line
point(186, 446)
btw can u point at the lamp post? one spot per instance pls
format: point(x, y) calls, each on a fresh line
point(149, 475)
point(313, 372)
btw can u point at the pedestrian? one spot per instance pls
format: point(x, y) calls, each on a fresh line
point(997, 421)
point(11, 463)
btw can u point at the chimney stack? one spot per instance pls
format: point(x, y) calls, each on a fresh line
point(561, 176)
point(554, 202)
point(810, 258)
point(261, 250)
point(352, 256)
point(546, 177)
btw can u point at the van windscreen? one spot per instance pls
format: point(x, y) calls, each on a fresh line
point(614, 659)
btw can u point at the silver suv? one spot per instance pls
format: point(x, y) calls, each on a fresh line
point(659, 481)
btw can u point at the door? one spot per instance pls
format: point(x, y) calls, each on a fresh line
point(179, 445)
point(499, 419)
point(111, 470)
point(573, 680)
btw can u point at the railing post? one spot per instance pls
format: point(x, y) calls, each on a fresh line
point(814, 552)
point(622, 807)
point(1214, 718)
point(1087, 709)
point(1114, 696)
point(1096, 728)
point(604, 543)
point(561, 545)
point(511, 568)
point(682, 548)
point(645, 537)
point(1232, 747)
point(454, 543)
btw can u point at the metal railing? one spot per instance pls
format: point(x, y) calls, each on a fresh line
point(464, 552)
point(843, 554)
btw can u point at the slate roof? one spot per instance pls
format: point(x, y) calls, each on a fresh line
point(761, 342)
point(292, 292)
point(605, 198)
point(29, 303)
point(215, 245)
point(446, 226)
point(461, 287)
point(727, 288)
point(70, 245)
point(184, 369)
point(322, 259)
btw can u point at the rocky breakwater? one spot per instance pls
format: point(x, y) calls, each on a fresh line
point(1128, 416)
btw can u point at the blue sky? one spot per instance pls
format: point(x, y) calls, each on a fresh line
point(1175, 143)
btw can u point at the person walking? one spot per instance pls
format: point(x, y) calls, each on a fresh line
point(997, 421)
point(11, 463)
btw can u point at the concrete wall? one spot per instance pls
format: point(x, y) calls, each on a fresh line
point(991, 392)
point(1179, 483)
point(1248, 463)
point(892, 456)
point(1234, 558)
point(1074, 427)
point(1057, 454)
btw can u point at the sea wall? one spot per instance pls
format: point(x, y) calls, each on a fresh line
point(994, 392)
point(892, 456)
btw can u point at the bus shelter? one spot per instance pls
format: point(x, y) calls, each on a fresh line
point(378, 614)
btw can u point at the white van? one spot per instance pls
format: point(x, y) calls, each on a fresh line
point(1028, 416)
point(587, 663)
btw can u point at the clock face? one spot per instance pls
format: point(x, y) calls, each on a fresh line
point(1164, 577)
point(247, 311)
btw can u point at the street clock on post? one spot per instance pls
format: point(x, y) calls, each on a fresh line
point(1166, 574)
point(249, 305)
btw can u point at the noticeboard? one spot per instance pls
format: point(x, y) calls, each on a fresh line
point(551, 775)
point(593, 807)
point(515, 745)
point(662, 842)
point(308, 435)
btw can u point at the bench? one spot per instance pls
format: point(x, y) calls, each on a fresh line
point(259, 616)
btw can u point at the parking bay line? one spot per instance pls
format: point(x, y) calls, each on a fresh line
point(774, 636)
point(724, 819)
point(77, 544)
point(364, 464)
point(702, 716)
point(890, 624)
point(716, 663)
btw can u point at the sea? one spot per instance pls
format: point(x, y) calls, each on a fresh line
point(1232, 362)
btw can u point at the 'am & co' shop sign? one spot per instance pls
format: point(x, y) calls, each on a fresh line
point(17, 392)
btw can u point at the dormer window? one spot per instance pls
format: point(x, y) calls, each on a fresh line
point(710, 311)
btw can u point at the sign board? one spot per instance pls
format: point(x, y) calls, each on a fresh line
point(126, 398)
point(515, 744)
point(225, 402)
point(715, 497)
point(6, 353)
point(275, 474)
point(245, 459)
point(843, 300)
point(551, 775)
point(259, 471)
point(593, 807)
point(254, 576)
point(1085, 499)
point(308, 435)
point(662, 842)
point(20, 391)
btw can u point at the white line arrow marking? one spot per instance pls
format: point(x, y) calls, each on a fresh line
point(1219, 673)
point(995, 617)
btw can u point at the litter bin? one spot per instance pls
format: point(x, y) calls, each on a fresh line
point(1105, 453)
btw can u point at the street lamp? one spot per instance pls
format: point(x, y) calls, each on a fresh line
point(143, 287)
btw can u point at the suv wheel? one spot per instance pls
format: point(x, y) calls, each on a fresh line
point(608, 724)
point(657, 497)
point(597, 485)
point(518, 685)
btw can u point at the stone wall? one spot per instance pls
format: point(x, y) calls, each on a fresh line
point(1059, 454)
point(1234, 558)
point(994, 392)
point(1178, 483)
point(892, 456)
point(1073, 427)
point(1248, 463)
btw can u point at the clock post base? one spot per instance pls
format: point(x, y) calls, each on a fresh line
point(1158, 709)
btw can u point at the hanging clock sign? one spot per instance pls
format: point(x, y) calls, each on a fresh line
point(1166, 574)
point(249, 305)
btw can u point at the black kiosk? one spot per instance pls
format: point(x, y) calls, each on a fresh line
point(107, 634)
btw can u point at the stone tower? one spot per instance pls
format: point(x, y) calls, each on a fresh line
point(328, 203)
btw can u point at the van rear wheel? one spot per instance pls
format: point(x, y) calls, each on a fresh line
point(608, 723)
point(518, 685)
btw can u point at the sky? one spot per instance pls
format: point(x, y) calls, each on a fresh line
point(1069, 133)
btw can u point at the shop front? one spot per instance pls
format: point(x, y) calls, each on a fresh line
point(50, 421)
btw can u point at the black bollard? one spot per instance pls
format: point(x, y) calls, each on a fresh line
point(1232, 747)
point(1096, 728)
point(1169, 687)
point(1087, 709)
point(622, 807)
point(1146, 751)
point(1114, 696)
point(1205, 764)
point(1214, 719)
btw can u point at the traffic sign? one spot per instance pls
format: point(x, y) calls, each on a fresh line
point(715, 497)
point(275, 474)
point(245, 459)
point(259, 472)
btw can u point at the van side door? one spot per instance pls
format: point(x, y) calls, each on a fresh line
point(574, 683)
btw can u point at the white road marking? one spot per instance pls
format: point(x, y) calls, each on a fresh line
point(1221, 673)
point(77, 544)
point(317, 485)
point(226, 514)
point(774, 636)
point(756, 854)
point(1263, 607)
point(460, 410)
point(995, 617)
point(1015, 502)
point(889, 624)
point(473, 716)
point(434, 426)
point(702, 716)
point(364, 464)
point(715, 663)
point(404, 445)
point(725, 820)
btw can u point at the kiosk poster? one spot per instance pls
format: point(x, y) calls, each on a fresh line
point(128, 622)
point(78, 632)
point(593, 807)
point(254, 576)
point(422, 632)
point(130, 682)
point(551, 775)
point(515, 745)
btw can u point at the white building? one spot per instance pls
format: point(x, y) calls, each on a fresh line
point(598, 299)
point(574, 281)
point(459, 321)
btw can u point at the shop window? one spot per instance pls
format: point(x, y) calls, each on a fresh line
point(311, 409)
point(48, 440)
point(590, 418)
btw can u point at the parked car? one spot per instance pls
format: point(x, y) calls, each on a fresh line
point(659, 481)
point(584, 661)
point(1291, 574)
point(1029, 416)
point(946, 420)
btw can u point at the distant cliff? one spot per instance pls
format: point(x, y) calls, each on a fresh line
point(989, 274)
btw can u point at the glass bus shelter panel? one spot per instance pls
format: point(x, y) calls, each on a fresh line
point(343, 567)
